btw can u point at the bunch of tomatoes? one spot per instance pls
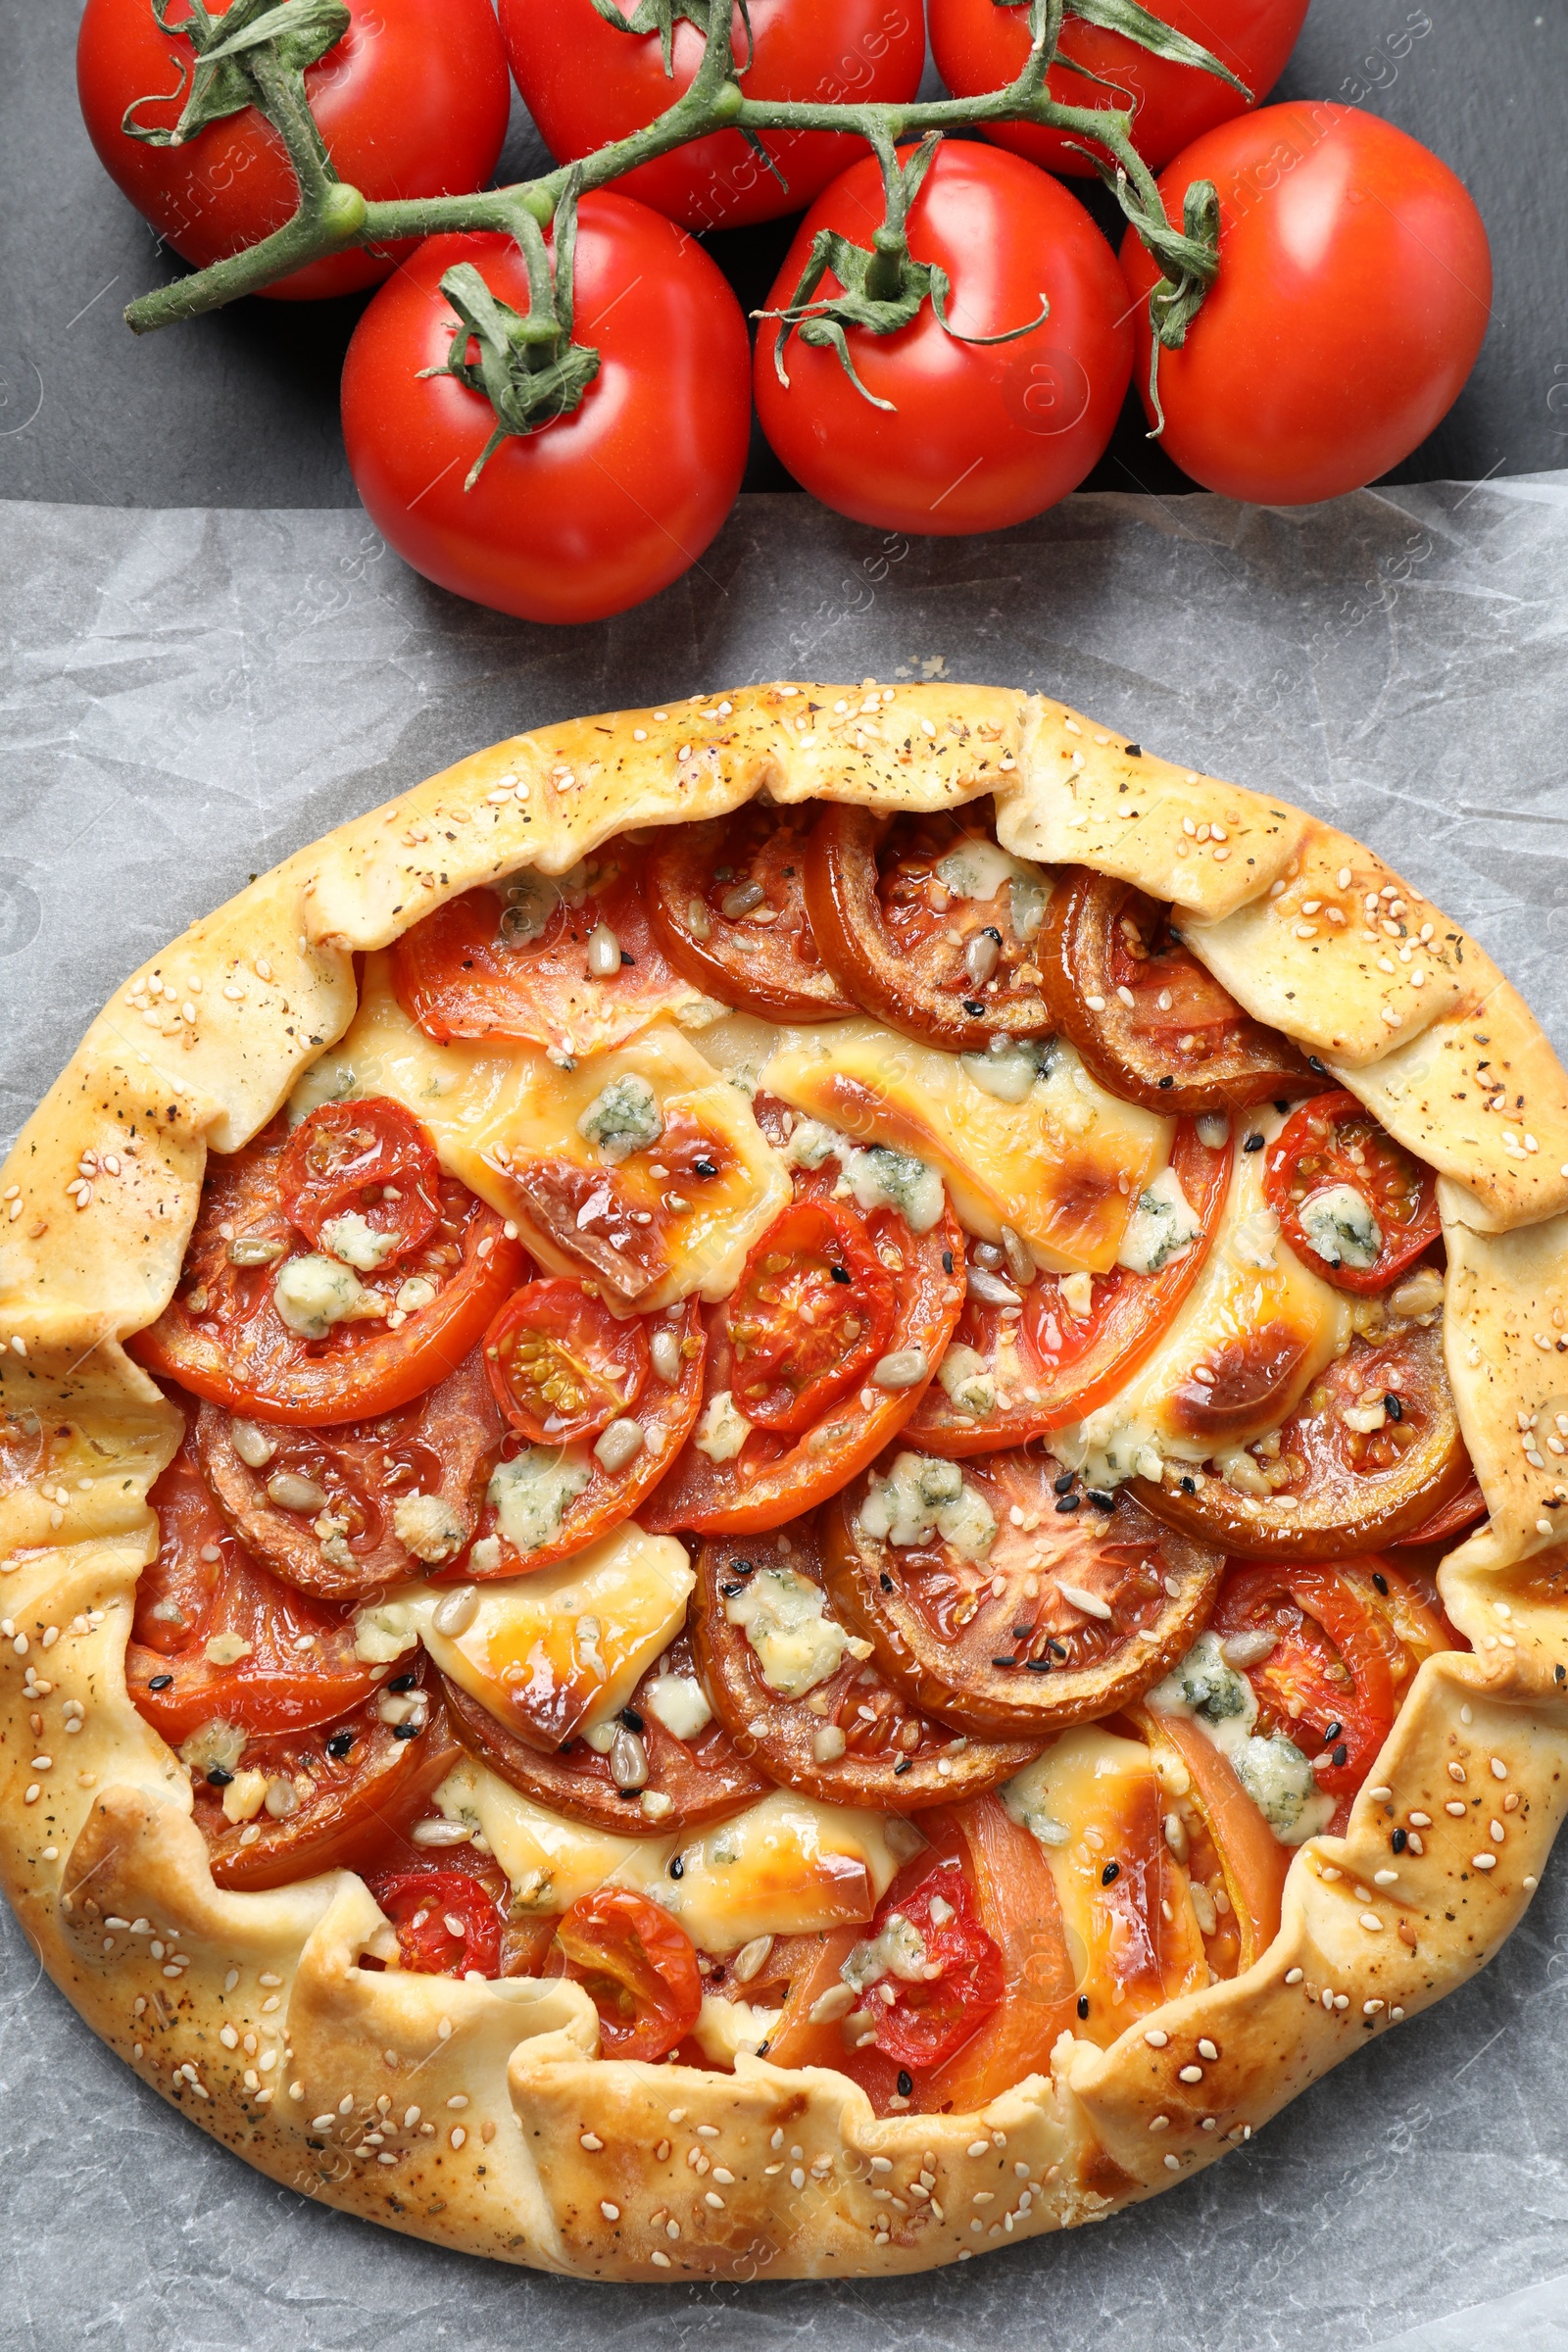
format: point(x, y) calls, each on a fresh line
point(1353, 295)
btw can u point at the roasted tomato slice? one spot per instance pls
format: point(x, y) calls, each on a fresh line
point(735, 1478)
point(1466, 1507)
point(927, 924)
point(562, 1365)
point(609, 1481)
point(447, 1922)
point(930, 1976)
point(329, 1798)
point(1373, 1448)
point(811, 1313)
point(218, 1644)
point(639, 1968)
point(1235, 1864)
point(346, 1510)
point(1032, 1362)
point(361, 1179)
point(570, 964)
point(1332, 1680)
point(352, 1349)
point(794, 1685)
point(652, 1780)
point(1150, 1023)
point(1353, 1204)
point(726, 900)
point(1003, 1597)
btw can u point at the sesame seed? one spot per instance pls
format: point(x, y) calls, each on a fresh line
point(1371, 1922)
point(1294, 1976)
point(591, 2142)
point(611, 2213)
point(1500, 1770)
point(1484, 1861)
point(1157, 2038)
point(1190, 2074)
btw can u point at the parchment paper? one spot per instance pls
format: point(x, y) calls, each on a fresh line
point(188, 695)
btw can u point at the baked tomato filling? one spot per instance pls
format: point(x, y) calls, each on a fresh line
point(804, 1426)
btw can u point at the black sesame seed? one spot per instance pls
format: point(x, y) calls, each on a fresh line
point(160, 1682)
point(1070, 1502)
point(1058, 1650)
point(1164, 1082)
point(1400, 1840)
point(400, 1682)
point(1380, 1580)
point(628, 1795)
point(625, 958)
point(1392, 1407)
point(219, 1776)
point(729, 1590)
point(1065, 1482)
point(339, 1744)
point(407, 1730)
point(1189, 1486)
point(1282, 1107)
point(1038, 1665)
point(631, 1719)
point(677, 1868)
point(1560, 1672)
point(947, 1261)
point(1135, 751)
point(1340, 1755)
point(1021, 1633)
point(1103, 1498)
point(974, 1006)
point(1005, 1664)
point(904, 1764)
point(906, 2083)
point(1254, 1142)
point(1083, 2004)
point(705, 1167)
point(762, 2049)
point(841, 1273)
point(1313, 1064)
point(1110, 1872)
point(885, 1581)
point(744, 1567)
point(1332, 1730)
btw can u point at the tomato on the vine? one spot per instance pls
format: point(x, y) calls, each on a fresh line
point(1354, 288)
point(982, 44)
point(586, 83)
point(412, 101)
point(975, 436)
point(599, 509)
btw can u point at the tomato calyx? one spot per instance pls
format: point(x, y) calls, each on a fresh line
point(661, 17)
point(528, 368)
point(232, 49)
point(881, 289)
point(1189, 257)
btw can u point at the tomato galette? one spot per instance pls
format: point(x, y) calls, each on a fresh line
point(782, 1487)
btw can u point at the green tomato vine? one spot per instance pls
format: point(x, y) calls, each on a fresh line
point(529, 366)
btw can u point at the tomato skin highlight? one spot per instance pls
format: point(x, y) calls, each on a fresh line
point(599, 509)
point(1354, 289)
point(639, 1968)
point(585, 83)
point(979, 437)
point(980, 46)
point(412, 101)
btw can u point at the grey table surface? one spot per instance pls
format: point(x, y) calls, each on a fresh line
point(187, 695)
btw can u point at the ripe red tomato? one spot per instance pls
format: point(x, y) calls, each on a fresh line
point(447, 1924)
point(811, 1313)
point(371, 1161)
point(1354, 292)
point(981, 45)
point(599, 509)
point(560, 1364)
point(978, 437)
point(586, 83)
point(412, 101)
point(639, 1968)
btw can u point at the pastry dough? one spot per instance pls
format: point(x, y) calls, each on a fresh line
point(501, 2132)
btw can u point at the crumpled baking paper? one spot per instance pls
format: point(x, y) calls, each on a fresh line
point(190, 695)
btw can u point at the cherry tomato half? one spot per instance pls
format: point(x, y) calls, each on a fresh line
point(586, 83)
point(949, 1993)
point(639, 1968)
point(1354, 289)
point(975, 437)
point(1329, 1682)
point(562, 1365)
point(412, 101)
point(447, 1923)
point(369, 1161)
point(599, 509)
point(983, 44)
point(1332, 1147)
point(811, 1313)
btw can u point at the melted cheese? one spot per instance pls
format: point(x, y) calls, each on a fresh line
point(1084, 1786)
point(784, 1866)
point(551, 1863)
point(1063, 1165)
point(555, 1652)
point(1256, 1318)
point(499, 1112)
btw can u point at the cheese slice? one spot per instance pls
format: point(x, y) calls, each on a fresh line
point(557, 1653)
point(504, 1119)
point(1257, 1319)
point(784, 1866)
point(551, 1863)
point(1052, 1155)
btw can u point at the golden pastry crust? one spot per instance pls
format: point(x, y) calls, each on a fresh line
point(475, 2114)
